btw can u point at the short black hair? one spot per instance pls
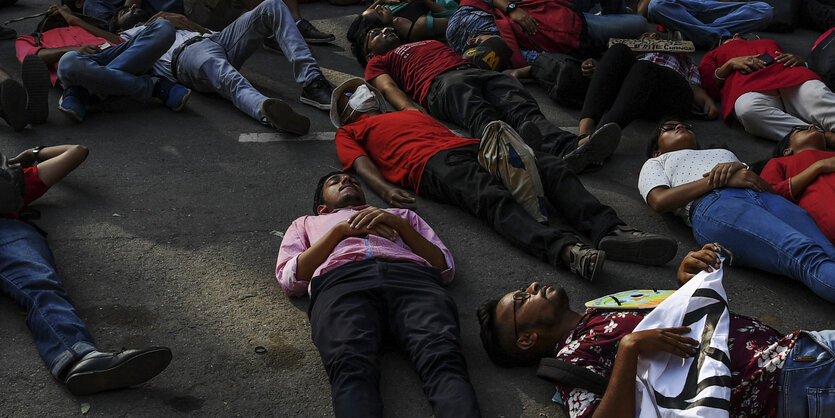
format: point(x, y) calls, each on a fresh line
point(652, 145)
point(318, 197)
point(113, 25)
point(486, 314)
point(784, 144)
point(357, 35)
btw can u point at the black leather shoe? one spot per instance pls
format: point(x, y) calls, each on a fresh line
point(317, 94)
point(282, 117)
point(13, 104)
point(35, 76)
point(108, 371)
point(312, 35)
point(626, 243)
point(601, 144)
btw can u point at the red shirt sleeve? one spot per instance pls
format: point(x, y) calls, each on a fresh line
point(376, 67)
point(347, 146)
point(706, 70)
point(25, 45)
point(774, 174)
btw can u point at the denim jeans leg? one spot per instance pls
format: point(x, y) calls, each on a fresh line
point(766, 233)
point(603, 27)
point(271, 17)
point(205, 68)
point(807, 382)
point(28, 276)
point(116, 70)
point(705, 21)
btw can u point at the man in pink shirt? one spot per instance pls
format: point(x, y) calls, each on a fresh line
point(370, 272)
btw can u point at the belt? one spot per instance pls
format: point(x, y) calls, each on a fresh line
point(693, 205)
point(175, 56)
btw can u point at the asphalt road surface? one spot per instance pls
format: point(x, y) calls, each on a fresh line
point(168, 235)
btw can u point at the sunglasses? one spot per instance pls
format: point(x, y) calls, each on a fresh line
point(805, 127)
point(519, 296)
point(670, 126)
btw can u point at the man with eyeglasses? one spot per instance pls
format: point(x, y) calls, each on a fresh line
point(451, 88)
point(769, 91)
point(771, 373)
point(409, 148)
point(372, 272)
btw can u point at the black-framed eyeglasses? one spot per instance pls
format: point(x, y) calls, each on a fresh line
point(519, 296)
point(805, 127)
point(670, 126)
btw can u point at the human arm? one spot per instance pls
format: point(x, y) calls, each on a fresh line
point(518, 16)
point(747, 63)
point(619, 399)
point(74, 20)
point(393, 196)
point(54, 163)
point(179, 21)
point(704, 102)
point(706, 259)
point(642, 8)
point(393, 93)
point(789, 60)
point(434, 7)
point(665, 199)
point(372, 217)
point(588, 66)
point(800, 182)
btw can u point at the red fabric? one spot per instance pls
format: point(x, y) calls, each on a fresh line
point(55, 38)
point(772, 77)
point(399, 144)
point(413, 66)
point(817, 198)
point(559, 27)
point(35, 188)
point(822, 37)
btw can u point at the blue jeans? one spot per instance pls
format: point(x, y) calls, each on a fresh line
point(211, 65)
point(27, 275)
point(807, 383)
point(705, 21)
point(768, 232)
point(603, 27)
point(121, 69)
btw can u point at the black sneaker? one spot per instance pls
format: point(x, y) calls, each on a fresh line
point(312, 35)
point(13, 104)
point(7, 33)
point(601, 144)
point(282, 117)
point(317, 93)
point(35, 76)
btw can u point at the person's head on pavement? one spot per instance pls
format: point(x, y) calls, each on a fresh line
point(375, 42)
point(127, 16)
point(801, 138)
point(525, 325)
point(672, 134)
point(355, 98)
point(337, 190)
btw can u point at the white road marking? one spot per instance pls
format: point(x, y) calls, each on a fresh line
point(285, 137)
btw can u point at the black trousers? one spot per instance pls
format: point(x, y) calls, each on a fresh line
point(817, 14)
point(624, 89)
point(474, 97)
point(355, 305)
point(454, 176)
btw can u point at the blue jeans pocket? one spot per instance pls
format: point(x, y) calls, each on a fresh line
point(821, 402)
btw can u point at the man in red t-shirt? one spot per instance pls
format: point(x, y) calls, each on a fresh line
point(452, 89)
point(411, 149)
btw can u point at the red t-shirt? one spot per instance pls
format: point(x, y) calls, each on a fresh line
point(771, 77)
point(399, 144)
point(413, 66)
point(35, 188)
point(55, 38)
point(818, 196)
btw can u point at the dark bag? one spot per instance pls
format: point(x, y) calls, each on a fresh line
point(559, 371)
point(822, 58)
point(12, 186)
point(786, 13)
point(561, 78)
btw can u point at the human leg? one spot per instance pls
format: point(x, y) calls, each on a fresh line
point(270, 18)
point(119, 70)
point(424, 320)
point(769, 233)
point(28, 276)
point(689, 17)
point(346, 321)
point(12, 102)
point(741, 17)
point(455, 177)
point(609, 74)
point(817, 15)
point(813, 102)
point(806, 381)
point(762, 114)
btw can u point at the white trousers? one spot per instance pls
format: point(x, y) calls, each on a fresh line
point(771, 114)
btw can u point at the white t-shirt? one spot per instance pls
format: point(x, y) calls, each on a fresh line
point(162, 67)
point(676, 168)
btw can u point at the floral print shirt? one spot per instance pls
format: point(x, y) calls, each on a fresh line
point(757, 356)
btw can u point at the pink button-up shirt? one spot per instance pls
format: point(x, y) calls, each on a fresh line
point(305, 231)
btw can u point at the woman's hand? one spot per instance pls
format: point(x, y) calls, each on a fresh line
point(721, 173)
point(746, 179)
point(748, 63)
point(711, 111)
point(706, 259)
point(667, 340)
point(588, 66)
point(789, 60)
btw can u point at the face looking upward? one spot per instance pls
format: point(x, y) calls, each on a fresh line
point(379, 41)
point(674, 135)
point(535, 308)
point(341, 191)
point(805, 137)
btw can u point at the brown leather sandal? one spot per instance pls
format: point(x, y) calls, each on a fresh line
point(583, 262)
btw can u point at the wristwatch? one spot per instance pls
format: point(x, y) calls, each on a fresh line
point(510, 7)
point(36, 153)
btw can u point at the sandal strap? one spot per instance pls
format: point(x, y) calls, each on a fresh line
point(582, 263)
